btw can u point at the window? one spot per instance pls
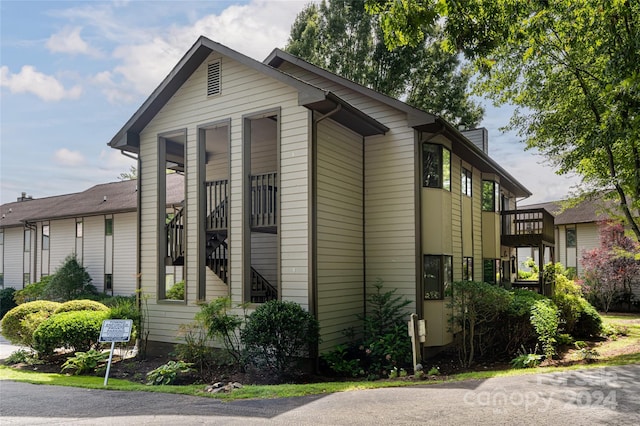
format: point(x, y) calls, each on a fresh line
point(108, 282)
point(79, 228)
point(467, 269)
point(438, 275)
point(26, 278)
point(1, 280)
point(491, 271)
point(490, 196)
point(571, 237)
point(27, 240)
point(108, 226)
point(1, 237)
point(45, 237)
point(466, 182)
point(436, 166)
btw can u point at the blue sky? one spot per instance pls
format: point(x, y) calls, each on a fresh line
point(73, 72)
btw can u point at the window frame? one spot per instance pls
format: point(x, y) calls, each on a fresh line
point(26, 240)
point(108, 226)
point(467, 268)
point(108, 283)
point(443, 276)
point(443, 172)
point(495, 196)
point(574, 239)
point(46, 235)
point(79, 228)
point(467, 182)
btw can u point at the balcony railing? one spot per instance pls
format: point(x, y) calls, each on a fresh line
point(175, 237)
point(217, 200)
point(264, 200)
point(529, 227)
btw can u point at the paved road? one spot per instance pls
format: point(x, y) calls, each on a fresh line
point(609, 396)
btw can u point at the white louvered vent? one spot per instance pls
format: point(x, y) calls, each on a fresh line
point(213, 78)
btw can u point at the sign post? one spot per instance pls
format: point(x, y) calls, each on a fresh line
point(114, 330)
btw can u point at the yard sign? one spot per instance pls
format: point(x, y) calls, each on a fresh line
point(114, 330)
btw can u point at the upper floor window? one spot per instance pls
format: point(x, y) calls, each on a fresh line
point(79, 229)
point(108, 226)
point(467, 268)
point(27, 240)
point(1, 237)
point(45, 237)
point(571, 237)
point(436, 166)
point(490, 196)
point(466, 182)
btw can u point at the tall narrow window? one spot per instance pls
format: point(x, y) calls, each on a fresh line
point(466, 182)
point(438, 275)
point(467, 269)
point(79, 229)
point(571, 237)
point(491, 271)
point(108, 226)
point(27, 240)
point(108, 283)
point(436, 166)
point(490, 196)
point(45, 237)
point(1, 237)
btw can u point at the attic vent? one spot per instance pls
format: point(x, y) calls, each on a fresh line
point(213, 78)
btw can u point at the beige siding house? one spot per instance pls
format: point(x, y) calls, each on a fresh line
point(304, 186)
point(98, 225)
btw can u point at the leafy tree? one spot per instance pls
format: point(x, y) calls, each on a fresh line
point(340, 36)
point(611, 269)
point(70, 281)
point(132, 174)
point(571, 69)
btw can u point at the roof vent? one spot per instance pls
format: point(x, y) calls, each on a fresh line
point(213, 78)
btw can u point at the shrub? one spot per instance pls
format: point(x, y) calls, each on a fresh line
point(81, 305)
point(125, 307)
point(84, 362)
point(176, 292)
point(526, 359)
point(33, 291)
point(196, 351)
point(20, 322)
point(22, 356)
point(71, 281)
point(590, 323)
point(77, 330)
point(277, 334)
point(167, 373)
point(6, 300)
point(513, 329)
point(220, 324)
point(544, 318)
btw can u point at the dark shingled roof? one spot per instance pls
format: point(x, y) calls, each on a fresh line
point(586, 211)
point(120, 197)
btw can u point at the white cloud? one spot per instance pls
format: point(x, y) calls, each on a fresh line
point(68, 40)
point(66, 157)
point(29, 80)
point(113, 160)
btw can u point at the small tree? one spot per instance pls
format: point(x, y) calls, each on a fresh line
point(70, 281)
point(613, 268)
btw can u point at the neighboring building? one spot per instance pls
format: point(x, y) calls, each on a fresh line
point(304, 186)
point(98, 225)
point(577, 229)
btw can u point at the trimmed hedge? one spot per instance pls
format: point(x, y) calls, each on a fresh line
point(77, 330)
point(81, 305)
point(20, 322)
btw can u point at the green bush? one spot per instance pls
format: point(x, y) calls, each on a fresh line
point(84, 362)
point(277, 335)
point(167, 373)
point(513, 329)
point(176, 292)
point(20, 322)
point(577, 316)
point(221, 324)
point(545, 320)
point(125, 307)
point(81, 305)
point(77, 330)
point(6, 300)
point(590, 323)
point(33, 291)
point(71, 281)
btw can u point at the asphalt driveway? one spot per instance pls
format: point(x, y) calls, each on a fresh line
point(607, 396)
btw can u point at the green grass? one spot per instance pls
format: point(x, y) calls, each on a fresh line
point(293, 390)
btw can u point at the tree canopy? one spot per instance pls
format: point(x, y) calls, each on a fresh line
point(570, 67)
point(340, 36)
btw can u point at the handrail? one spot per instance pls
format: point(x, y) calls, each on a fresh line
point(261, 289)
point(528, 222)
point(175, 235)
point(264, 199)
point(217, 204)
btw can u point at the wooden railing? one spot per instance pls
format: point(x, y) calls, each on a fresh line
point(528, 223)
point(217, 255)
point(217, 204)
point(175, 236)
point(261, 289)
point(264, 200)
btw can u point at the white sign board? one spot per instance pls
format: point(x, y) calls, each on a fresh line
point(115, 330)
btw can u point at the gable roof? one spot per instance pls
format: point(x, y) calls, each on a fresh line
point(106, 198)
point(586, 211)
point(416, 118)
point(309, 96)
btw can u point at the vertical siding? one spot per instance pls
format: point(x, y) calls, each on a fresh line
point(340, 268)
point(476, 202)
point(244, 91)
point(93, 259)
point(62, 242)
point(456, 216)
point(124, 253)
point(13, 246)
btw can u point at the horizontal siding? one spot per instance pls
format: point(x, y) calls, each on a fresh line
point(13, 251)
point(62, 242)
point(587, 238)
point(244, 91)
point(340, 268)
